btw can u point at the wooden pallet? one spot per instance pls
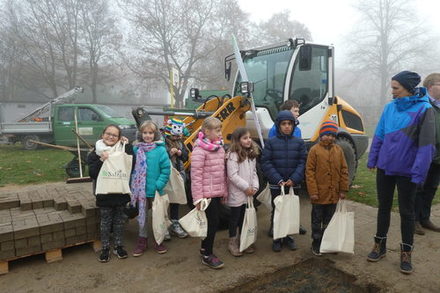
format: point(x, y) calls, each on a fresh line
point(51, 256)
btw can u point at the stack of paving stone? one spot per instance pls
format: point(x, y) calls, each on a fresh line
point(46, 218)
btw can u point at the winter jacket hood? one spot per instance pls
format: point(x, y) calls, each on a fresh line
point(282, 116)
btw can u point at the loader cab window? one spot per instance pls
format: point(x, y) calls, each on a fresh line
point(65, 114)
point(267, 70)
point(309, 87)
point(87, 114)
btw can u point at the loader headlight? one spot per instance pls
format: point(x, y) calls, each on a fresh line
point(246, 88)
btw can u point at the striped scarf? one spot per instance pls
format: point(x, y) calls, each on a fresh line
point(207, 144)
point(138, 179)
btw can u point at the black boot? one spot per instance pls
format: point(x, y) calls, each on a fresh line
point(379, 250)
point(405, 258)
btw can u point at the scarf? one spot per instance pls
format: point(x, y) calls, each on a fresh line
point(138, 179)
point(207, 144)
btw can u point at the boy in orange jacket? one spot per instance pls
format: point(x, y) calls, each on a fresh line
point(327, 180)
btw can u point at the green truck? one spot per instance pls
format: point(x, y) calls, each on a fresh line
point(53, 123)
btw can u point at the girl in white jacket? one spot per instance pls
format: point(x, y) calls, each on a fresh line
point(242, 182)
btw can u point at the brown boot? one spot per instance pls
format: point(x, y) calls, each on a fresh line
point(233, 247)
point(430, 226)
point(418, 229)
point(250, 249)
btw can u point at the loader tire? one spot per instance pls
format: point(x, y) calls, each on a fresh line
point(350, 157)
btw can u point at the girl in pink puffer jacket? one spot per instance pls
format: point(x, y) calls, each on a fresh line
point(208, 180)
point(242, 183)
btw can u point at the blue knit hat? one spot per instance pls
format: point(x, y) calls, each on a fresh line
point(408, 79)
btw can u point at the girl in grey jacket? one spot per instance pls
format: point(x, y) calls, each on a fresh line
point(242, 182)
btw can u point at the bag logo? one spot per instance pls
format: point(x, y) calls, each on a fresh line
point(114, 174)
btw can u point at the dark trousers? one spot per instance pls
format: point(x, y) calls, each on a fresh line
point(321, 216)
point(213, 217)
point(406, 192)
point(112, 220)
point(426, 194)
point(236, 220)
point(174, 211)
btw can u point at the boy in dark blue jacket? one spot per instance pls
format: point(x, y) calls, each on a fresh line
point(283, 163)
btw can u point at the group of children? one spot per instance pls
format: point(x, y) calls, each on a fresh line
point(224, 177)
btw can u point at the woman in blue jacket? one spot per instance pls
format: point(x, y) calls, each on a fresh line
point(402, 150)
point(283, 162)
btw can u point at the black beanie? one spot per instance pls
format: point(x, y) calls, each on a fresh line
point(407, 79)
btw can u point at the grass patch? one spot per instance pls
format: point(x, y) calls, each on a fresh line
point(18, 166)
point(363, 189)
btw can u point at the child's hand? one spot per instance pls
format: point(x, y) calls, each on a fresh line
point(179, 153)
point(124, 139)
point(314, 197)
point(104, 156)
point(173, 151)
point(289, 183)
point(342, 195)
point(198, 205)
point(249, 191)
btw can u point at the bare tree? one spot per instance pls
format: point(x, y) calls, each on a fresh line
point(278, 28)
point(170, 34)
point(100, 39)
point(389, 38)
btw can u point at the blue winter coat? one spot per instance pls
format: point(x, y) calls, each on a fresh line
point(284, 156)
point(158, 169)
point(404, 140)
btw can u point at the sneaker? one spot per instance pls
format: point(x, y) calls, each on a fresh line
point(212, 261)
point(120, 252)
point(290, 242)
point(105, 255)
point(141, 246)
point(276, 245)
point(167, 236)
point(302, 231)
point(315, 249)
point(160, 248)
point(177, 230)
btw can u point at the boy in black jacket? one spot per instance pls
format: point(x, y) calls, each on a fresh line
point(283, 163)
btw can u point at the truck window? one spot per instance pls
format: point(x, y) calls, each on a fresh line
point(87, 114)
point(310, 87)
point(65, 114)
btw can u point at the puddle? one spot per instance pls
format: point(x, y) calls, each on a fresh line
point(312, 275)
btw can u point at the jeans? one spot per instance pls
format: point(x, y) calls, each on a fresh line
point(406, 191)
point(213, 217)
point(321, 216)
point(174, 211)
point(426, 194)
point(236, 220)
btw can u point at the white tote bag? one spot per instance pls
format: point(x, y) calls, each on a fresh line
point(175, 187)
point(339, 234)
point(195, 222)
point(160, 220)
point(266, 198)
point(249, 229)
point(114, 176)
point(286, 216)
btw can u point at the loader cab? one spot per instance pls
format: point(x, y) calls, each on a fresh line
point(296, 70)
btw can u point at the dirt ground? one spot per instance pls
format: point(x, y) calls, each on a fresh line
point(180, 269)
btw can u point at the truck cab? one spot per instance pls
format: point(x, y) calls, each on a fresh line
point(91, 118)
